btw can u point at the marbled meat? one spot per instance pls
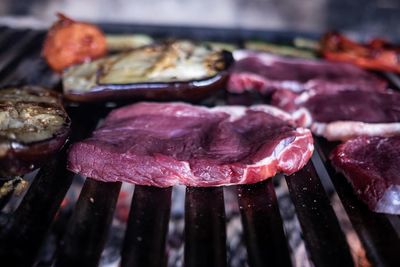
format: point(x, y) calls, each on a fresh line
point(346, 114)
point(174, 143)
point(267, 73)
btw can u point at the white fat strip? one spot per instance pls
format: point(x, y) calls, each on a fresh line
point(302, 117)
point(264, 162)
point(269, 59)
point(237, 112)
point(279, 149)
point(294, 86)
point(283, 144)
point(302, 133)
point(304, 97)
point(344, 130)
point(274, 111)
point(266, 58)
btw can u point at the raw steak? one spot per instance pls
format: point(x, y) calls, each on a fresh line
point(346, 114)
point(266, 73)
point(371, 164)
point(168, 144)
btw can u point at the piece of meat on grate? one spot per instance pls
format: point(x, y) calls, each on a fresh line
point(371, 164)
point(267, 73)
point(175, 143)
point(345, 114)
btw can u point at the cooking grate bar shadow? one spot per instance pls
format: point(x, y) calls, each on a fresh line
point(21, 238)
point(88, 228)
point(145, 237)
point(205, 236)
point(262, 224)
point(324, 239)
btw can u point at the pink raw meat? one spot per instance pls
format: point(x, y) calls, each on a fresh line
point(371, 165)
point(268, 73)
point(175, 143)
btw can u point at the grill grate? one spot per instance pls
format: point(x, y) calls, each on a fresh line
point(144, 243)
point(265, 238)
point(25, 230)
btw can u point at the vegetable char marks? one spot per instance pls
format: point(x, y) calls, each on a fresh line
point(33, 126)
point(169, 70)
point(175, 143)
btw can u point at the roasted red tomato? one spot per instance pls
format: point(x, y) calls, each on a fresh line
point(378, 54)
point(69, 42)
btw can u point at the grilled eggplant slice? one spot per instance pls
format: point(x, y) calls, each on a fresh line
point(124, 42)
point(166, 71)
point(33, 126)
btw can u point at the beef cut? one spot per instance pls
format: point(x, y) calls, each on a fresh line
point(174, 143)
point(267, 73)
point(345, 114)
point(371, 164)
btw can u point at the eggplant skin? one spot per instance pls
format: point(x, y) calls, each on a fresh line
point(189, 91)
point(33, 126)
point(179, 70)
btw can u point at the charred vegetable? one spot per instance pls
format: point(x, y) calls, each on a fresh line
point(282, 50)
point(69, 42)
point(376, 55)
point(123, 42)
point(170, 70)
point(33, 126)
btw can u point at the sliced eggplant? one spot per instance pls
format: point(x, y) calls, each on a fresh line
point(281, 50)
point(33, 126)
point(123, 42)
point(170, 70)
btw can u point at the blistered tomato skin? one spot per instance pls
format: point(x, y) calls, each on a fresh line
point(378, 54)
point(69, 42)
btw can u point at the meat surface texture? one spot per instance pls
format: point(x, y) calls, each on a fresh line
point(175, 143)
point(371, 164)
point(346, 114)
point(267, 73)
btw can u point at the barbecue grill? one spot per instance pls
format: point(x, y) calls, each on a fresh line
point(24, 230)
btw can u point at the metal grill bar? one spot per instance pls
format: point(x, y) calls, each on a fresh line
point(205, 236)
point(324, 238)
point(21, 238)
point(22, 45)
point(144, 243)
point(263, 228)
point(5, 36)
point(87, 231)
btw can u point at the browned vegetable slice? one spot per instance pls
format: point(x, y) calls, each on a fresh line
point(170, 70)
point(123, 42)
point(33, 126)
